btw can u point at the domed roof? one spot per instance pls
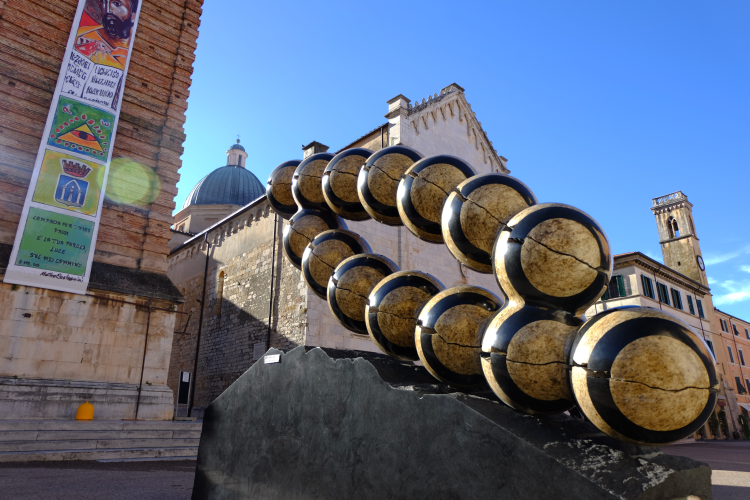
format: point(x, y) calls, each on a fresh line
point(230, 185)
point(237, 146)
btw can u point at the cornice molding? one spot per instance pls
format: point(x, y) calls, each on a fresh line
point(661, 270)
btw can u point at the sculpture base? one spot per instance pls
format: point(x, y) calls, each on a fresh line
point(324, 423)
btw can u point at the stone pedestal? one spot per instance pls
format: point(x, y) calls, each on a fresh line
point(329, 424)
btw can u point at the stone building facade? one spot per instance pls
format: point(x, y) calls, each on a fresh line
point(240, 246)
point(59, 349)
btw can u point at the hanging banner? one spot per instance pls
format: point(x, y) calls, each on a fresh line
point(54, 244)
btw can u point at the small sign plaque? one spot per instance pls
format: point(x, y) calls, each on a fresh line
point(272, 358)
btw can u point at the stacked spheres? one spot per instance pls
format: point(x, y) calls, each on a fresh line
point(638, 374)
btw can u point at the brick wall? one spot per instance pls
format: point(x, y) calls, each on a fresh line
point(33, 35)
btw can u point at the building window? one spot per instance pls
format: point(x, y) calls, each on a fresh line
point(690, 304)
point(742, 357)
point(747, 334)
point(723, 325)
point(740, 387)
point(648, 286)
point(663, 293)
point(616, 288)
point(731, 356)
point(677, 299)
point(747, 381)
point(711, 346)
point(700, 308)
point(219, 293)
point(734, 327)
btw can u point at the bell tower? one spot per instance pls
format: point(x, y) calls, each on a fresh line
point(679, 242)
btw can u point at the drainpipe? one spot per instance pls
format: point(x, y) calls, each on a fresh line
point(658, 295)
point(143, 364)
point(200, 326)
point(273, 268)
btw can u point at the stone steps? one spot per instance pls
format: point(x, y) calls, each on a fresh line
point(54, 440)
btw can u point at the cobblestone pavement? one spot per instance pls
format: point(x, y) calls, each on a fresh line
point(157, 480)
point(729, 460)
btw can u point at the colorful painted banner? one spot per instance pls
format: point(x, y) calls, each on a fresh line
point(54, 245)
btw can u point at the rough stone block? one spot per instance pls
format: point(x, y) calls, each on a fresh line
point(330, 424)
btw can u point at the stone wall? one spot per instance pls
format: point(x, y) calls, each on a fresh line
point(59, 349)
point(233, 325)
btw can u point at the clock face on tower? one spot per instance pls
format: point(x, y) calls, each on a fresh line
point(701, 265)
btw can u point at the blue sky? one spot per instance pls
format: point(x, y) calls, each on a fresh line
point(603, 105)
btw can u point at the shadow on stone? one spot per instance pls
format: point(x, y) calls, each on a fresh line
point(332, 424)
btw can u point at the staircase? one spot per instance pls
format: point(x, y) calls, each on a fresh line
point(54, 440)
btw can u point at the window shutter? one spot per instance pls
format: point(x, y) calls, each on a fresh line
point(606, 294)
point(621, 286)
point(731, 356)
point(734, 327)
point(690, 304)
point(663, 293)
point(711, 346)
point(742, 357)
point(740, 387)
point(676, 298)
point(700, 308)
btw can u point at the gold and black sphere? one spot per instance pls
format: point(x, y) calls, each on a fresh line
point(305, 225)
point(525, 351)
point(449, 334)
point(643, 376)
point(393, 309)
point(422, 191)
point(306, 182)
point(351, 284)
point(279, 189)
point(378, 182)
point(554, 256)
point(325, 252)
point(340, 183)
point(474, 213)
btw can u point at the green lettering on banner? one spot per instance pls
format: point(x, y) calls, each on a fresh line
point(55, 242)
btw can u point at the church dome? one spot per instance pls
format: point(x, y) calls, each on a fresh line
point(230, 185)
point(237, 146)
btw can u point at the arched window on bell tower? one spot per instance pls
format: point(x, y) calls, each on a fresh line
point(674, 229)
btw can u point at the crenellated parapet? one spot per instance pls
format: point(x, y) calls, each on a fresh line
point(434, 118)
